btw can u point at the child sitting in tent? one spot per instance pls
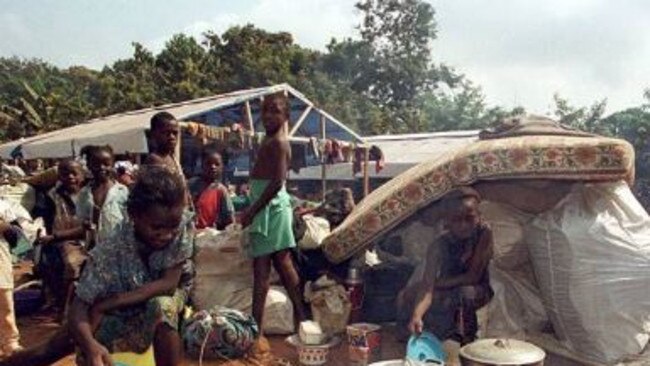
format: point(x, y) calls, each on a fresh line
point(270, 216)
point(212, 200)
point(455, 280)
point(131, 292)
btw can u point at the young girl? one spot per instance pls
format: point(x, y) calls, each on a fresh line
point(211, 198)
point(270, 215)
point(131, 291)
point(102, 202)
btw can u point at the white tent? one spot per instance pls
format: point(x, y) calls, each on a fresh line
point(125, 132)
point(401, 152)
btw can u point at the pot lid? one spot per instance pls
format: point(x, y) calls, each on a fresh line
point(502, 352)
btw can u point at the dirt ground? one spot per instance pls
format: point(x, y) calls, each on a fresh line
point(39, 326)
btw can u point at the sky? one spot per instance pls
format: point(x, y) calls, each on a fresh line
point(520, 52)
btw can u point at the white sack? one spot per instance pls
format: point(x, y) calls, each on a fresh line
point(591, 256)
point(507, 225)
point(20, 194)
point(516, 308)
point(233, 294)
point(317, 230)
point(221, 253)
point(224, 276)
point(416, 237)
point(278, 317)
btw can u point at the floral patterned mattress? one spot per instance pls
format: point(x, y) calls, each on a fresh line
point(525, 157)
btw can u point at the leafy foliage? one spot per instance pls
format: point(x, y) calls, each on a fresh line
point(632, 124)
point(385, 80)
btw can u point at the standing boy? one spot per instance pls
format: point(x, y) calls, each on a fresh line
point(270, 216)
point(164, 134)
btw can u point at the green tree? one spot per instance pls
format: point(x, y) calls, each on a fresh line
point(180, 72)
point(633, 124)
point(36, 96)
point(582, 118)
point(392, 65)
point(400, 34)
point(131, 83)
point(252, 57)
point(463, 108)
point(385, 81)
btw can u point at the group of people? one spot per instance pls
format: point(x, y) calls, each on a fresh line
point(124, 253)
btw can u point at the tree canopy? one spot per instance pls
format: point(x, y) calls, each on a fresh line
point(381, 82)
point(384, 80)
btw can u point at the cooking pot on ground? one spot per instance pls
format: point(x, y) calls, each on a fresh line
point(501, 352)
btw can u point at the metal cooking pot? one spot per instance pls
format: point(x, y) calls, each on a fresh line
point(501, 352)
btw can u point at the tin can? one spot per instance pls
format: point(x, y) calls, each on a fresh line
point(356, 293)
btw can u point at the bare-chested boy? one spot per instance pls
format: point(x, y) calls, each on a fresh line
point(270, 217)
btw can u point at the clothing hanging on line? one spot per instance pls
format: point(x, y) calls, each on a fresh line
point(298, 157)
point(374, 154)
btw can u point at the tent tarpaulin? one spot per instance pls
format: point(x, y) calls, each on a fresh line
point(400, 152)
point(125, 132)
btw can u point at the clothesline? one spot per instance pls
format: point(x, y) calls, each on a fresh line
point(328, 151)
point(201, 130)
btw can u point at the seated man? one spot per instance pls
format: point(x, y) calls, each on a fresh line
point(455, 282)
point(132, 290)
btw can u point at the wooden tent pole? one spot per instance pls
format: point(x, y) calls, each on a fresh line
point(302, 117)
point(323, 135)
point(251, 134)
point(179, 146)
point(251, 151)
point(366, 176)
point(249, 117)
